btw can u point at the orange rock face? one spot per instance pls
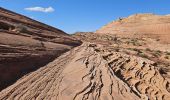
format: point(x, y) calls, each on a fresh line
point(150, 25)
point(26, 45)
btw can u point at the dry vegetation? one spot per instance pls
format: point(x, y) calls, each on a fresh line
point(139, 47)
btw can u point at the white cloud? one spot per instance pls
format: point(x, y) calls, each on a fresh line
point(41, 9)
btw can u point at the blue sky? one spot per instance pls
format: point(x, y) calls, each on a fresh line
point(83, 15)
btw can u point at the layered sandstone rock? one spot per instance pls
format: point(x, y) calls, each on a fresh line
point(91, 72)
point(104, 67)
point(26, 45)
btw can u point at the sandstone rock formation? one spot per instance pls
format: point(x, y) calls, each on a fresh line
point(91, 72)
point(150, 25)
point(105, 67)
point(26, 45)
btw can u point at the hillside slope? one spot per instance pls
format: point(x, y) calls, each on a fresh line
point(150, 25)
point(26, 45)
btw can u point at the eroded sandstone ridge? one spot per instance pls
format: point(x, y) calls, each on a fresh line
point(150, 25)
point(38, 62)
point(26, 45)
point(92, 72)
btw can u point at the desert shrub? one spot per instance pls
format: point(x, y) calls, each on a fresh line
point(166, 57)
point(158, 52)
point(167, 53)
point(21, 28)
point(137, 50)
point(147, 49)
point(143, 55)
point(4, 26)
point(135, 42)
point(157, 39)
point(117, 49)
point(155, 55)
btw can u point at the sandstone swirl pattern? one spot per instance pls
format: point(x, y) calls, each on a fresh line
point(89, 72)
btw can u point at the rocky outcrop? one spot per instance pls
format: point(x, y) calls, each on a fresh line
point(38, 62)
point(150, 25)
point(26, 45)
point(91, 72)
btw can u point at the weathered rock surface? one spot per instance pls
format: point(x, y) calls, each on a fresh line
point(26, 45)
point(92, 72)
point(104, 67)
point(150, 25)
